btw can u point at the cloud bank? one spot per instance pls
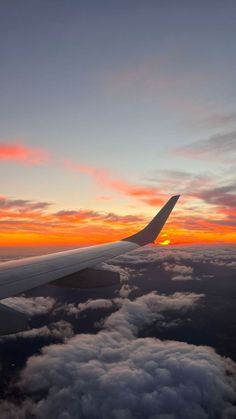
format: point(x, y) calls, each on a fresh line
point(115, 374)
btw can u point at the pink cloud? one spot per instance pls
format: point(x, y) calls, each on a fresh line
point(23, 154)
point(148, 194)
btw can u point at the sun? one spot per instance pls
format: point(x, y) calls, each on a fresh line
point(165, 242)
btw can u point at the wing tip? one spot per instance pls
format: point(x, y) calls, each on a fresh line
point(152, 230)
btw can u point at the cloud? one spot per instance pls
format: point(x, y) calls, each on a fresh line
point(134, 315)
point(181, 269)
point(31, 305)
point(232, 264)
point(124, 272)
point(182, 278)
point(22, 154)
point(60, 330)
point(184, 273)
point(216, 147)
point(179, 260)
point(86, 215)
point(21, 205)
point(212, 189)
point(22, 220)
point(114, 374)
point(207, 200)
point(152, 254)
point(98, 304)
point(220, 119)
point(126, 289)
point(221, 196)
point(103, 177)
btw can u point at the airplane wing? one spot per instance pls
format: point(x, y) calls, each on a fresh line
point(73, 268)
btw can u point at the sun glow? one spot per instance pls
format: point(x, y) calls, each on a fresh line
point(165, 242)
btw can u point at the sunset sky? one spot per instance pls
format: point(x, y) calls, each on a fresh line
point(106, 110)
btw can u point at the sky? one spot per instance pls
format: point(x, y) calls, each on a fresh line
point(109, 108)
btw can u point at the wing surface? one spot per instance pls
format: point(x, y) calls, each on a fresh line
point(24, 274)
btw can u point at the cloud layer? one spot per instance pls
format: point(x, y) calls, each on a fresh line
point(114, 374)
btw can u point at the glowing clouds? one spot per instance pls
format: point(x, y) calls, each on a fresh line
point(22, 154)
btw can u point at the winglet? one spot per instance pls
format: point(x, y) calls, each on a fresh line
point(152, 230)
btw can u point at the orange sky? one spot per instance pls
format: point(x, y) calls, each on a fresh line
point(27, 223)
point(204, 214)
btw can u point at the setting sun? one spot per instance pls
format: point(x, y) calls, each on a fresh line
point(165, 242)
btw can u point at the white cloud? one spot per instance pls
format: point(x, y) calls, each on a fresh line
point(182, 278)
point(232, 265)
point(125, 273)
point(114, 374)
point(72, 309)
point(31, 305)
point(133, 315)
point(181, 255)
point(183, 272)
point(126, 289)
point(108, 377)
point(60, 330)
point(95, 304)
point(179, 269)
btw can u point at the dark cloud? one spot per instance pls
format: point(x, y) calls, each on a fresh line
point(220, 119)
point(221, 196)
point(229, 222)
point(209, 188)
point(22, 204)
point(60, 330)
point(216, 147)
point(104, 216)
